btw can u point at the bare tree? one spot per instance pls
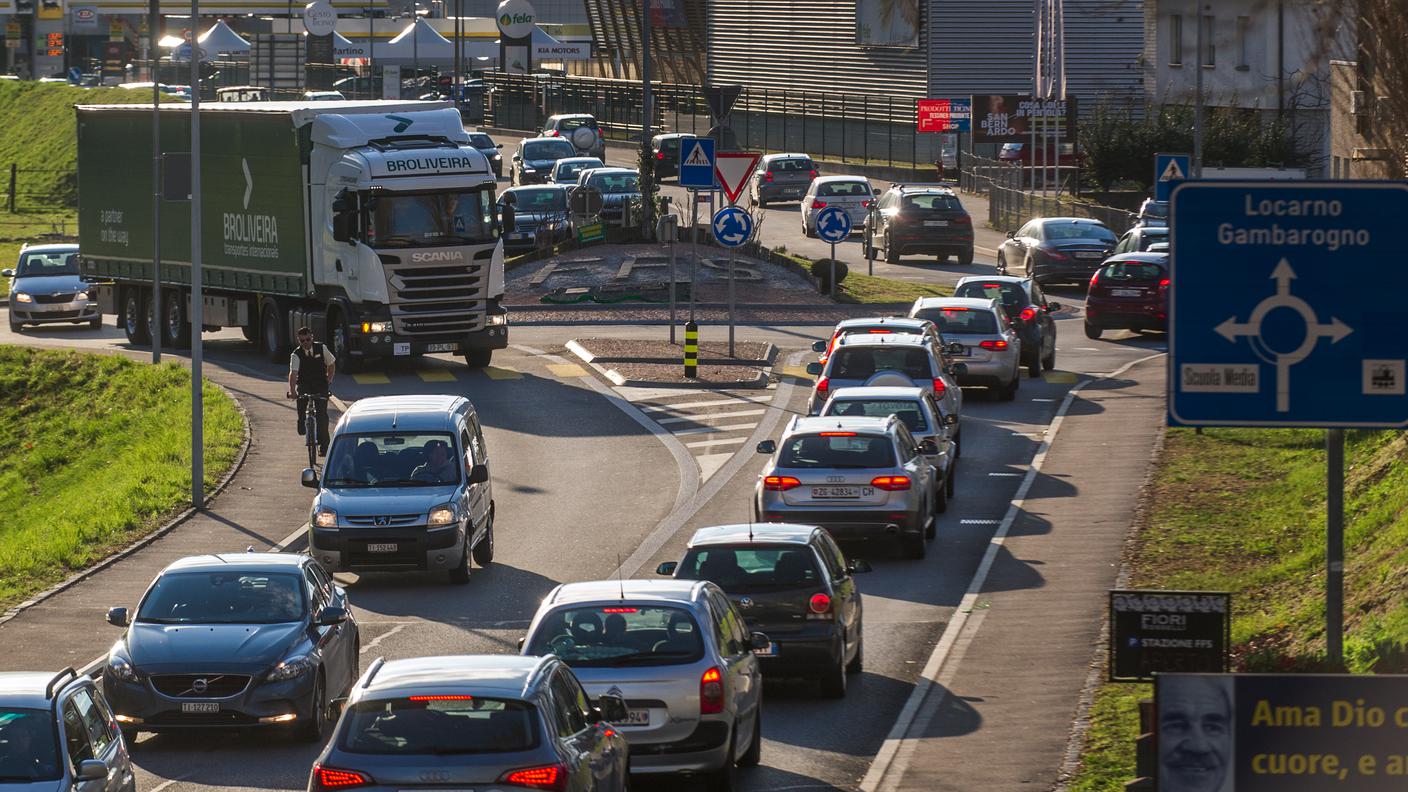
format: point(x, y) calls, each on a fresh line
point(1375, 34)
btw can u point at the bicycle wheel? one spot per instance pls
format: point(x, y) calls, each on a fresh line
point(310, 431)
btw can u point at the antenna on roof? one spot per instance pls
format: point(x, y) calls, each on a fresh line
point(620, 584)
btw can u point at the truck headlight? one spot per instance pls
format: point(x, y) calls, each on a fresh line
point(325, 518)
point(22, 297)
point(292, 668)
point(376, 327)
point(498, 319)
point(441, 515)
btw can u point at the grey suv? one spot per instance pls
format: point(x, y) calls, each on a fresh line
point(581, 130)
point(859, 478)
point(58, 734)
point(474, 721)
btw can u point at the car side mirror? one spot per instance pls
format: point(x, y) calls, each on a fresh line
point(928, 446)
point(1011, 235)
point(951, 419)
point(818, 346)
point(612, 708)
point(859, 566)
point(516, 158)
point(814, 369)
point(478, 474)
point(336, 706)
point(668, 568)
point(955, 348)
point(498, 145)
point(1055, 306)
point(92, 770)
point(118, 617)
point(874, 190)
point(767, 447)
point(8, 272)
point(521, 641)
point(958, 369)
point(309, 478)
point(758, 641)
point(330, 615)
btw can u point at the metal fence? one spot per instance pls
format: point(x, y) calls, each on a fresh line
point(1010, 206)
point(39, 189)
point(850, 128)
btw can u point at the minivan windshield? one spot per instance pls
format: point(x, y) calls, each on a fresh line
point(605, 636)
point(440, 725)
point(223, 598)
point(907, 410)
point(431, 218)
point(392, 459)
point(28, 749)
point(752, 569)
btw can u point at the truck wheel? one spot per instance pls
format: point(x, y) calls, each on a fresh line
point(134, 318)
point(175, 324)
point(478, 358)
point(271, 329)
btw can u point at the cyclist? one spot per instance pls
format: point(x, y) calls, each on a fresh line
point(310, 372)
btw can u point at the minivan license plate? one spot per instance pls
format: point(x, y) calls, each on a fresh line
point(842, 492)
point(200, 706)
point(446, 347)
point(381, 548)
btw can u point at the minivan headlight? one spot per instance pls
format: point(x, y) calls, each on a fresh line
point(441, 515)
point(325, 518)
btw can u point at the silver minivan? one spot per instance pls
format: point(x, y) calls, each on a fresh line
point(679, 653)
point(406, 487)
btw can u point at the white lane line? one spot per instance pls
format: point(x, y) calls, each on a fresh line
point(290, 539)
point(168, 782)
point(979, 522)
point(1003, 473)
point(1043, 400)
point(885, 772)
point(691, 405)
point(377, 640)
point(1032, 435)
point(709, 416)
point(1088, 349)
point(710, 443)
point(713, 429)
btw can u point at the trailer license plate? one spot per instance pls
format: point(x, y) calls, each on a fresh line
point(401, 348)
point(381, 548)
point(446, 347)
point(200, 706)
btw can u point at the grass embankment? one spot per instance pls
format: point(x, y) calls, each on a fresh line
point(97, 453)
point(859, 289)
point(1243, 510)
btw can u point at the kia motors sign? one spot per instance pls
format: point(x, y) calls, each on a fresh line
point(516, 18)
point(945, 115)
point(1155, 632)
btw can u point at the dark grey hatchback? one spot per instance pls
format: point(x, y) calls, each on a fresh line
point(792, 583)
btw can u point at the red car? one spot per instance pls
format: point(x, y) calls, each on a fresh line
point(1128, 292)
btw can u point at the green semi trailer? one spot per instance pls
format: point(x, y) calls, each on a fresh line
point(372, 222)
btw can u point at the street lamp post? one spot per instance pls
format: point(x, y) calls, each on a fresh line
point(196, 313)
point(153, 24)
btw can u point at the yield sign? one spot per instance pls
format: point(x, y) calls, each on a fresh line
point(733, 169)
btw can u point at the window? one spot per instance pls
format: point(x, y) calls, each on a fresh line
point(831, 556)
point(962, 321)
point(80, 744)
point(862, 362)
point(411, 219)
point(607, 636)
point(1209, 43)
point(571, 709)
point(848, 188)
point(399, 459)
point(39, 265)
point(909, 412)
point(99, 729)
point(439, 725)
point(223, 598)
point(935, 201)
point(316, 594)
point(751, 569)
point(728, 626)
point(1175, 40)
point(28, 751)
point(855, 451)
point(1244, 25)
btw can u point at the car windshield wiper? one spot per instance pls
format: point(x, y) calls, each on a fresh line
point(345, 482)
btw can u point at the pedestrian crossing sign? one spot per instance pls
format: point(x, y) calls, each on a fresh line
point(697, 163)
point(697, 157)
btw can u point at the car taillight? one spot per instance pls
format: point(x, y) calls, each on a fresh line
point(963, 220)
point(823, 385)
point(767, 176)
point(780, 483)
point(711, 692)
point(820, 603)
point(553, 133)
point(993, 344)
point(1028, 314)
point(891, 483)
point(1055, 254)
point(813, 174)
point(1163, 284)
point(866, 204)
point(335, 778)
point(659, 155)
point(553, 777)
point(1095, 279)
point(939, 387)
point(818, 204)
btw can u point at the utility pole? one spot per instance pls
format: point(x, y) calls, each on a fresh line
point(647, 167)
point(153, 24)
point(196, 313)
point(1198, 99)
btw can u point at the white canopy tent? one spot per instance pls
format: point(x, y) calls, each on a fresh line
point(219, 40)
point(418, 43)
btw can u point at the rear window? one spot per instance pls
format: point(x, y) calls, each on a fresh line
point(615, 183)
point(568, 124)
point(552, 148)
point(532, 201)
point(752, 569)
point(669, 144)
point(790, 166)
point(933, 201)
point(907, 411)
point(1152, 237)
point(833, 189)
point(28, 748)
point(961, 321)
point(1132, 272)
point(1009, 293)
point(1066, 230)
point(605, 636)
point(569, 170)
point(481, 141)
point(440, 725)
point(862, 363)
point(839, 450)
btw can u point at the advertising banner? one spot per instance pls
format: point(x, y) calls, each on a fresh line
point(887, 23)
point(1011, 119)
point(1281, 732)
point(83, 19)
point(945, 115)
point(1168, 631)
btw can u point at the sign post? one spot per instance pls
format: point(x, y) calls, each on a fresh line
point(697, 164)
point(733, 227)
point(833, 225)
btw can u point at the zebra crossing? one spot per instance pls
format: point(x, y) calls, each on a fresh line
point(713, 424)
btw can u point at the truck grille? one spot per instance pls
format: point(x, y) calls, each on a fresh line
point(438, 300)
point(200, 686)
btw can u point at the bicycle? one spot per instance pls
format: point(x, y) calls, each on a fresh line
point(310, 423)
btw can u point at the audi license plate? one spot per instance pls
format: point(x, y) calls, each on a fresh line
point(842, 492)
point(936, 223)
point(200, 707)
point(1126, 292)
point(450, 346)
point(381, 548)
point(638, 717)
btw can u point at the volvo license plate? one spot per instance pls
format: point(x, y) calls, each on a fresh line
point(200, 707)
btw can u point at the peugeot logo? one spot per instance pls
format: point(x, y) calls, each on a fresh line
point(435, 776)
point(200, 685)
point(835, 479)
point(745, 602)
point(383, 520)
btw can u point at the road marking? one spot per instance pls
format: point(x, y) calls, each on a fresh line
point(800, 372)
point(168, 782)
point(979, 522)
point(641, 394)
point(714, 429)
point(436, 375)
point(1043, 400)
point(710, 443)
point(372, 378)
point(709, 464)
point(496, 373)
point(377, 640)
point(567, 370)
point(290, 539)
point(691, 405)
point(885, 764)
point(1088, 349)
point(709, 416)
point(1006, 474)
point(1029, 435)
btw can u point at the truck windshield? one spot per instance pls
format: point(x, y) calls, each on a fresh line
point(432, 218)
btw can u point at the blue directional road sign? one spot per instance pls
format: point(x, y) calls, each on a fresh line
point(732, 226)
point(697, 163)
point(833, 225)
point(1170, 170)
point(1274, 319)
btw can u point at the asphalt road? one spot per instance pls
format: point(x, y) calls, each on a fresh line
point(581, 485)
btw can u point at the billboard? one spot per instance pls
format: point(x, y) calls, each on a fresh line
point(1010, 119)
point(887, 23)
point(1155, 632)
point(945, 115)
point(1281, 732)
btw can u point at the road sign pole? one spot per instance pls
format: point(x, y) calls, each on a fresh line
point(833, 270)
point(694, 258)
point(196, 318)
point(731, 304)
point(1334, 547)
point(673, 283)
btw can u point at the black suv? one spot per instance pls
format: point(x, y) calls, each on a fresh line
point(793, 579)
point(1028, 309)
point(919, 219)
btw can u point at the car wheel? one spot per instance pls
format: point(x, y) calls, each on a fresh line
point(858, 662)
point(966, 257)
point(806, 232)
point(1010, 392)
point(754, 754)
point(484, 551)
point(1034, 367)
point(913, 546)
point(1091, 331)
point(311, 730)
point(1049, 362)
point(833, 680)
point(892, 256)
point(16, 327)
point(725, 779)
point(1001, 263)
point(460, 574)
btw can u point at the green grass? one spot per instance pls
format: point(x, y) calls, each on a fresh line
point(1243, 510)
point(861, 289)
point(97, 455)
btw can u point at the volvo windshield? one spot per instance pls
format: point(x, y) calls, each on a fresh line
point(422, 219)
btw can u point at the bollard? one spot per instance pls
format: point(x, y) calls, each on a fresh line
point(691, 349)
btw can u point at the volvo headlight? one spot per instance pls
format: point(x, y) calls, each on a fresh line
point(376, 327)
point(122, 668)
point(441, 515)
point(325, 518)
point(292, 668)
point(22, 297)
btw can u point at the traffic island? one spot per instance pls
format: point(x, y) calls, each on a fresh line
point(643, 363)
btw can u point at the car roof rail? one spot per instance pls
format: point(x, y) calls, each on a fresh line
point(54, 686)
point(371, 672)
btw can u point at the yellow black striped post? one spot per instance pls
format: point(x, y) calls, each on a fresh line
point(691, 350)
